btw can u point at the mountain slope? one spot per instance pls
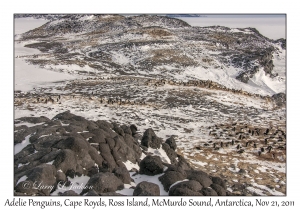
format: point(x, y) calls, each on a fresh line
point(159, 46)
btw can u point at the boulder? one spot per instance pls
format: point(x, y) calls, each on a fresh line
point(110, 194)
point(171, 142)
point(146, 189)
point(123, 175)
point(34, 120)
point(150, 139)
point(69, 193)
point(91, 193)
point(151, 165)
point(219, 181)
point(126, 129)
point(199, 176)
point(184, 192)
point(41, 179)
point(238, 187)
point(103, 183)
point(182, 163)
point(133, 129)
point(118, 130)
point(220, 190)
point(209, 192)
point(186, 188)
point(172, 155)
point(169, 178)
point(65, 160)
point(60, 177)
point(99, 136)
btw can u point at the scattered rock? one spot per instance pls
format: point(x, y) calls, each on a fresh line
point(151, 165)
point(69, 193)
point(220, 190)
point(146, 189)
point(123, 175)
point(209, 192)
point(171, 142)
point(186, 188)
point(199, 176)
point(150, 139)
point(169, 178)
point(103, 183)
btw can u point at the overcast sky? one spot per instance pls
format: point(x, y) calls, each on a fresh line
point(271, 26)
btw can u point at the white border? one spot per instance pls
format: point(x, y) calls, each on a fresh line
point(152, 6)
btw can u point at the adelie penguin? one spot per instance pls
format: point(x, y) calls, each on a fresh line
point(266, 141)
point(269, 149)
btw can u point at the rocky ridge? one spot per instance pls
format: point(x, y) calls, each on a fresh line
point(156, 46)
point(69, 146)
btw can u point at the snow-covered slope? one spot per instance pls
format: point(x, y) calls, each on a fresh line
point(210, 88)
point(160, 47)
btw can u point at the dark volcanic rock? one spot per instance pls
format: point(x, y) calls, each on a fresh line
point(34, 120)
point(186, 188)
point(69, 193)
point(209, 192)
point(123, 175)
point(146, 189)
point(176, 168)
point(182, 163)
point(150, 139)
point(126, 129)
point(199, 176)
point(118, 130)
point(91, 193)
point(169, 178)
point(171, 142)
point(103, 183)
point(42, 175)
point(220, 190)
point(238, 187)
point(65, 160)
point(22, 132)
point(280, 99)
point(133, 129)
point(60, 177)
point(170, 153)
point(151, 165)
point(71, 154)
point(219, 181)
point(110, 194)
point(184, 192)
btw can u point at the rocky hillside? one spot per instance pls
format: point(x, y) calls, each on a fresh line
point(108, 159)
point(158, 46)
